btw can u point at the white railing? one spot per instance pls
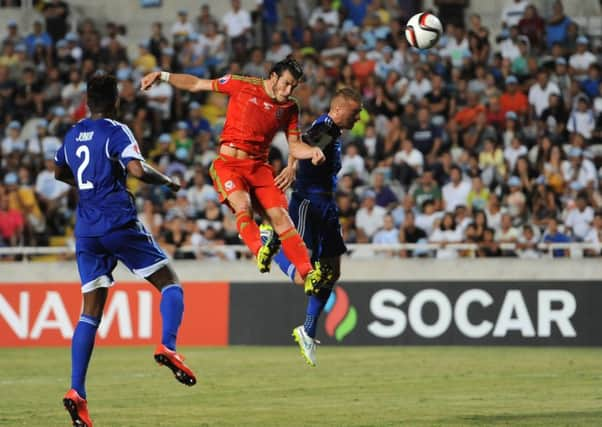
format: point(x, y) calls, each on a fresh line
point(576, 250)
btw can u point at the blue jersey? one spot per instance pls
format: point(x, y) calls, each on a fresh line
point(97, 152)
point(325, 134)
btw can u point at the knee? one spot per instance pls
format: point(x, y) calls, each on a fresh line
point(279, 217)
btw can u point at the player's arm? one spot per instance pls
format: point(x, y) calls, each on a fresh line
point(181, 81)
point(146, 173)
point(302, 151)
point(63, 173)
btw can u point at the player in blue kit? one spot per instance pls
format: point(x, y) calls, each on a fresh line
point(96, 155)
point(314, 211)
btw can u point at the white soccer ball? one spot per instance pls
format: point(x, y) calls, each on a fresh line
point(423, 30)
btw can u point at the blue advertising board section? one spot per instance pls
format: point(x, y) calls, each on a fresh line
point(425, 313)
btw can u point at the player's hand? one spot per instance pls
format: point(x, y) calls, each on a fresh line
point(285, 178)
point(150, 79)
point(317, 156)
point(174, 185)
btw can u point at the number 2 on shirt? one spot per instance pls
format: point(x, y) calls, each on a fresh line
point(83, 151)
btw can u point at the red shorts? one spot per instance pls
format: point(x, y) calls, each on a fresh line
point(255, 177)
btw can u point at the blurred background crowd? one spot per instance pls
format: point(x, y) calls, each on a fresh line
point(486, 139)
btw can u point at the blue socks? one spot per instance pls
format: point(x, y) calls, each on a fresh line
point(172, 308)
point(285, 265)
point(81, 351)
point(315, 305)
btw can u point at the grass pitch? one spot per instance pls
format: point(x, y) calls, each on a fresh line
point(352, 386)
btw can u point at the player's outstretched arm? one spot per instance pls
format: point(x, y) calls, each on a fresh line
point(181, 81)
point(63, 173)
point(301, 151)
point(146, 173)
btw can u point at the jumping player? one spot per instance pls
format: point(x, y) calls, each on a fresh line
point(96, 155)
point(314, 211)
point(258, 108)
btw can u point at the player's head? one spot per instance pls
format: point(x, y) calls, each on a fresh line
point(102, 94)
point(284, 78)
point(345, 107)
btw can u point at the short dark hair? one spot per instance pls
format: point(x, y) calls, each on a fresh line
point(289, 63)
point(102, 93)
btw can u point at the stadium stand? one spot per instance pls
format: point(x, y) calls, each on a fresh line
point(492, 140)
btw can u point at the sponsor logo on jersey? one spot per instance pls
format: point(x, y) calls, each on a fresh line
point(85, 136)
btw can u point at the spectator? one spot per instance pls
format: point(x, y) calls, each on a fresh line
point(514, 12)
point(557, 26)
point(582, 119)
point(387, 235)
point(427, 137)
point(582, 59)
point(579, 220)
point(237, 26)
point(278, 50)
point(446, 233)
point(527, 244)
point(385, 197)
point(554, 235)
point(407, 163)
point(456, 192)
point(539, 93)
point(579, 169)
point(52, 196)
point(56, 13)
point(427, 189)
point(369, 218)
point(478, 195)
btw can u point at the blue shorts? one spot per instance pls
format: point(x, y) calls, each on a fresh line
point(317, 220)
point(133, 245)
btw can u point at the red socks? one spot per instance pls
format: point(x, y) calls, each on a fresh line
point(296, 251)
point(249, 231)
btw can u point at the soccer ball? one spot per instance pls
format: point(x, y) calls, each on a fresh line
point(423, 30)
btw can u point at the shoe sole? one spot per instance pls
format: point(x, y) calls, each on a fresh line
point(180, 375)
point(71, 407)
point(297, 338)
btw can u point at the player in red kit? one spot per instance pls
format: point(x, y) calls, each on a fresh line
point(257, 110)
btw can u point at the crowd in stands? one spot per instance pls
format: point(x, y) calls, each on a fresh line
point(486, 138)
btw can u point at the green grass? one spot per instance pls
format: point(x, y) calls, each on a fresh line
point(352, 386)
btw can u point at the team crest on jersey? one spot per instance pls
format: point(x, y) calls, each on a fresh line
point(225, 79)
point(229, 185)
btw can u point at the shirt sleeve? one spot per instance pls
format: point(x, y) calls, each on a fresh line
point(228, 84)
point(60, 158)
point(122, 146)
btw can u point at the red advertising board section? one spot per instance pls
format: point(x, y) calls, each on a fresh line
point(33, 314)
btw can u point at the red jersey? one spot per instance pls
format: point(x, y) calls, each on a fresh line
point(252, 117)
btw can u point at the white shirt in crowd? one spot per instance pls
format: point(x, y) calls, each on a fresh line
point(539, 97)
point(386, 237)
point(513, 12)
point(426, 222)
point(182, 28)
point(582, 61)
point(370, 221)
point(279, 54)
point(236, 23)
point(49, 187)
point(455, 195)
point(585, 174)
point(509, 49)
point(509, 234)
point(350, 164)
point(414, 159)
point(48, 144)
point(580, 221)
point(330, 17)
point(418, 89)
point(582, 122)
point(512, 154)
point(450, 236)
point(160, 90)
